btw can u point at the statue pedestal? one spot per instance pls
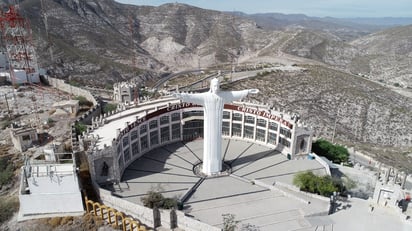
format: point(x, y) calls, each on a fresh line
point(226, 170)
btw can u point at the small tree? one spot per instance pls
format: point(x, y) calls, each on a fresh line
point(155, 199)
point(109, 107)
point(229, 222)
point(335, 153)
point(323, 185)
point(80, 128)
point(83, 101)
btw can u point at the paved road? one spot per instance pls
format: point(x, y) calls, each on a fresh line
point(166, 78)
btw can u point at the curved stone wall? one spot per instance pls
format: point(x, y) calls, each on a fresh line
point(184, 122)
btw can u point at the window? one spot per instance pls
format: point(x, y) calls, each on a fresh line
point(154, 138)
point(164, 120)
point(248, 132)
point(133, 135)
point(192, 129)
point(236, 129)
point(273, 126)
point(176, 131)
point(226, 115)
point(272, 138)
point(260, 134)
point(187, 114)
point(143, 128)
point(126, 154)
point(261, 123)
point(164, 134)
point(135, 148)
point(143, 142)
point(285, 132)
point(249, 119)
point(225, 128)
point(237, 116)
point(175, 116)
point(125, 141)
point(284, 142)
point(152, 124)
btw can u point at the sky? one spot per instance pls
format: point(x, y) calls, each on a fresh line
point(318, 8)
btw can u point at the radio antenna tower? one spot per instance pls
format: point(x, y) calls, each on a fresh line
point(17, 38)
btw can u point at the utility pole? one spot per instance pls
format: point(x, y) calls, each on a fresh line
point(8, 108)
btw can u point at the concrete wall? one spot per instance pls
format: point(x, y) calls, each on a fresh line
point(50, 203)
point(145, 215)
point(322, 162)
point(63, 86)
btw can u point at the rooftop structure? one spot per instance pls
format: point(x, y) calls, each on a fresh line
point(126, 92)
point(70, 107)
point(23, 137)
point(50, 188)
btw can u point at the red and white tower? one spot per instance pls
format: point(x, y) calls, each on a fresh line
point(16, 36)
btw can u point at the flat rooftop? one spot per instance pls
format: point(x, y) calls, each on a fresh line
point(52, 179)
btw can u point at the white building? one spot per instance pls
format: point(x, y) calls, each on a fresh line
point(23, 137)
point(134, 132)
point(125, 92)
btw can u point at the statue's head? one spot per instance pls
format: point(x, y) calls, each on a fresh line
point(214, 85)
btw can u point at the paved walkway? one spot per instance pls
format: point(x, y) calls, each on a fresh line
point(170, 170)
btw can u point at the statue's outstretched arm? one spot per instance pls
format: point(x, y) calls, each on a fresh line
point(196, 98)
point(229, 96)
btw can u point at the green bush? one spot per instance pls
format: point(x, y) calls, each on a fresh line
point(80, 128)
point(323, 185)
point(109, 107)
point(156, 199)
point(83, 101)
point(334, 153)
point(229, 222)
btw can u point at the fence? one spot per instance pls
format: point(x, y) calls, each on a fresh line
point(112, 216)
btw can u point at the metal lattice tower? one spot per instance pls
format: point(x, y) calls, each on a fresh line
point(17, 38)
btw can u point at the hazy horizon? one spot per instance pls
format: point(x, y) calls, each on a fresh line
point(314, 8)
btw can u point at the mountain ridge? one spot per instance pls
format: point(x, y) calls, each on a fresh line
point(99, 43)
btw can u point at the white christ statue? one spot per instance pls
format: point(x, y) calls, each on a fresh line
point(212, 102)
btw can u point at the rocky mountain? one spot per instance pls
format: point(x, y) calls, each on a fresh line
point(364, 114)
point(99, 42)
point(385, 56)
point(117, 41)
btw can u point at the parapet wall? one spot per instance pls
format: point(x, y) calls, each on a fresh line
point(63, 86)
point(145, 215)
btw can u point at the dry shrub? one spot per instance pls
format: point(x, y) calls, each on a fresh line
point(66, 220)
point(55, 222)
point(8, 206)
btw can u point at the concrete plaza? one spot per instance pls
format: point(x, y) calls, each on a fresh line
point(248, 193)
